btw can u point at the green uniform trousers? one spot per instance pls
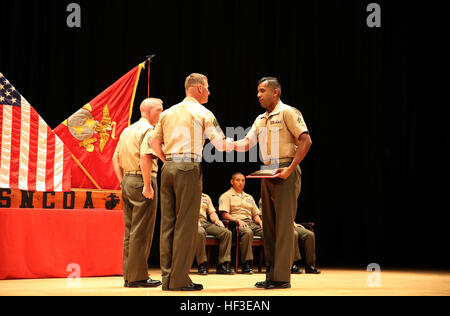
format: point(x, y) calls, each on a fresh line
point(139, 215)
point(181, 193)
point(279, 198)
point(246, 239)
point(309, 241)
point(225, 238)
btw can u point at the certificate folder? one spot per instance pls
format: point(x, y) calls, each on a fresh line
point(264, 173)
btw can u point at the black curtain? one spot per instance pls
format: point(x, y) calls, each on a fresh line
point(365, 183)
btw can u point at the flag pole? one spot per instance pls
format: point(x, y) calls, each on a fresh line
point(141, 66)
point(149, 59)
point(86, 172)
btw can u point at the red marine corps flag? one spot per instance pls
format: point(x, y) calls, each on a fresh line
point(32, 157)
point(92, 133)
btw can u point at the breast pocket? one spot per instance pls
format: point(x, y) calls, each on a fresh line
point(261, 130)
point(235, 202)
point(248, 203)
point(276, 131)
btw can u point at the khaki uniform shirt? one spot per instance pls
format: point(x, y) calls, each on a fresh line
point(277, 132)
point(206, 207)
point(183, 128)
point(146, 149)
point(131, 145)
point(242, 206)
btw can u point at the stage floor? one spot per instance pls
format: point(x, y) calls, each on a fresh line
point(332, 282)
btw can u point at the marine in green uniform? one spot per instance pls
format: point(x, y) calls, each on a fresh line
point(284, 142)
point(238, 206)
point(215, 228)
point(136, 170)
point(178, 140)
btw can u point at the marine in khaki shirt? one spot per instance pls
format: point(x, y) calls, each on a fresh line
point(278, 133)
point(215, 228)
point(136, 169)
point(207, 209)
point(135, 142)
point(284, 142)
point(238, 206)
point(242, 206)
point(183, 128)
point(178, 141)
point(146, 149)
point(128, 150)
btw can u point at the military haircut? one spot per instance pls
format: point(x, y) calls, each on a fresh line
point(195, 79)
point(237, 174)
point(272, 82)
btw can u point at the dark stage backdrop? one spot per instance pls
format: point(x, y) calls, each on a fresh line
point(363, 179)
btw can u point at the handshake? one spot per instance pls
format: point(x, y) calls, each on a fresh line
point(229, 145)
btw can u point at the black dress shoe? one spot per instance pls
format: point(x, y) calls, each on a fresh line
point(223, 269)
point(247, 268)
point(125, 284)
point(262, 284)
point(296, 269)
point(144, 283)
point(190, 287)
point(202, 269)
point(311, 270)
point(272, 285)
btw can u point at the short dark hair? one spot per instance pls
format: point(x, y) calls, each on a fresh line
point(272, 82)
point(235, 174)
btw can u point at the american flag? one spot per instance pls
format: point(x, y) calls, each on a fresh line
point(32, 156)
